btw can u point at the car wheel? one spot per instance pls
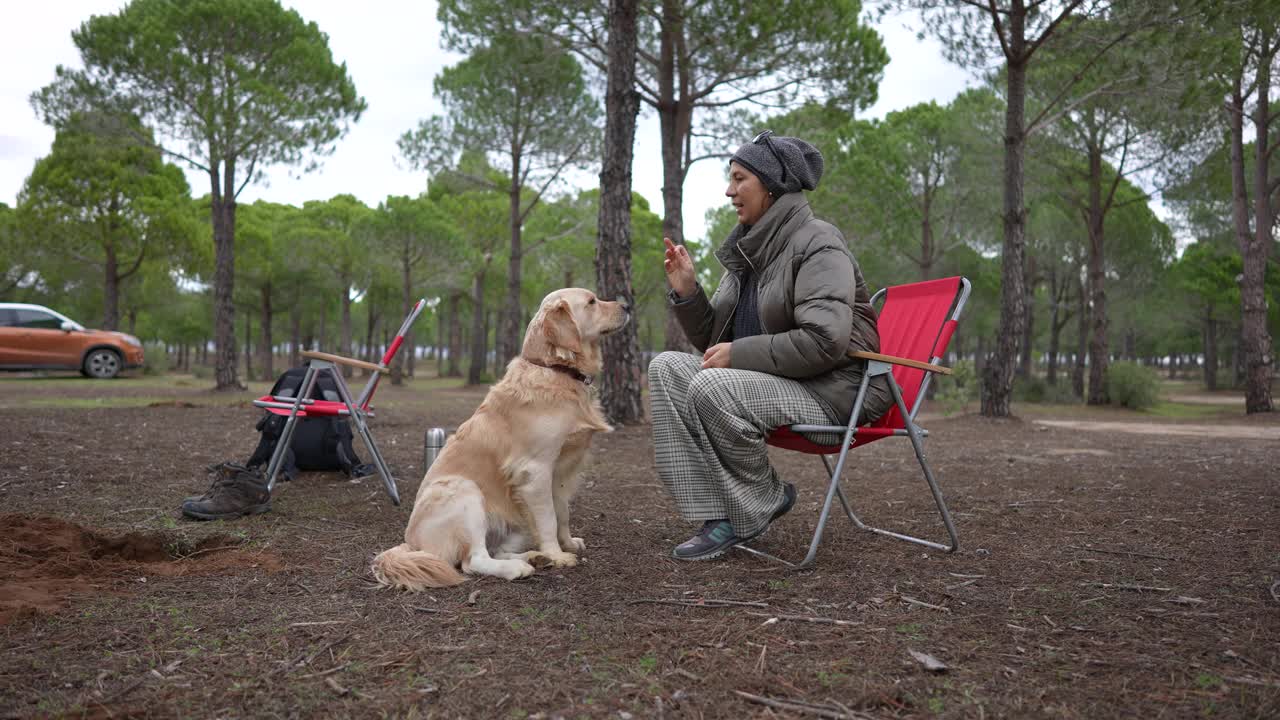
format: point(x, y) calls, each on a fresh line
point(102, 363)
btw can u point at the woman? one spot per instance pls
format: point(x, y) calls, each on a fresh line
point(774, 338)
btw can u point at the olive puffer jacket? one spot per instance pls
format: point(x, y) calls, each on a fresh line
point(813, 304)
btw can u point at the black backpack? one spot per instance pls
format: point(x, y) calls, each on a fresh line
point(319, 443)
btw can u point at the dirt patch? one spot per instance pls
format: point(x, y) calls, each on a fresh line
point(1225, 432)
point(45, 561)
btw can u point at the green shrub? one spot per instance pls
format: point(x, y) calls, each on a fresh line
point(1036, 389)
point(1133, 386)
point(955, 390)
point(1029, 389)
point(155, 358)
point(202, 372)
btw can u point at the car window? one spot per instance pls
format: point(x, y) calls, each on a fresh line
point(8, 317)
point(37, 319)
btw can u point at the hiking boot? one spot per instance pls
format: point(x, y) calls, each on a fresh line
point(235, 491)
point(715, 537)
point(218, 474)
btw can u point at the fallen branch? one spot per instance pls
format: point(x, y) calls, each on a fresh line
point(1253, 681)
point(1127, 586)
point(921, 603)
point(1123, 552)
point(1023, 503)
point(208, 550)
point(319, 622)
point(305, 659)
point(825, 711)
point(330, 671)
point(804, 618)
point(345, 691)
point(699, 603)
point(686, 674)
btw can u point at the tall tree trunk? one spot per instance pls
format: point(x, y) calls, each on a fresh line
point(224, 309)
point(926, 234)
point(398, 365)
point(267, 345)
point(295, 334)
point(1028, 322)
point(478, 335)
point(675, 118)
point(997, 383)
point(455, 334)
point(620, 385)
point(508, 337)
point(1098, 349)
point(1082, 341)
point(110, 287)
point(1055, 327)
point(1209, 337)
point(248, 346)
point(439, 350)
point(371, 328)
point(1255, 338)
point(345, 348)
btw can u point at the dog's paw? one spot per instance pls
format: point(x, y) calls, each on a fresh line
point(575, 545)
point(553, 559)
point(516, 570)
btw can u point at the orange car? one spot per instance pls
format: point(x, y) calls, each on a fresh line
point(33, 337)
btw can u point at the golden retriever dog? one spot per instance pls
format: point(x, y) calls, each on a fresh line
point(497, 497)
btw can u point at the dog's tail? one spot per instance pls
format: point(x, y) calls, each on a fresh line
point(404, 567)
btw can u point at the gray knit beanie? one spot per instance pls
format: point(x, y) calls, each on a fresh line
point(783, 164)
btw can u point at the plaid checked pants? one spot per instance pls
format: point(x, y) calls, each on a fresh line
point(709, 431)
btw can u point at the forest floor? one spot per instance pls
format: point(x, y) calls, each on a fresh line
point(1112, 564)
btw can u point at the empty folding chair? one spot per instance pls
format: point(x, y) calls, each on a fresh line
point(915, 322)
point(357, 408)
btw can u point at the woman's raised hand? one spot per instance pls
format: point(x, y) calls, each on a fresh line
point(679, 267)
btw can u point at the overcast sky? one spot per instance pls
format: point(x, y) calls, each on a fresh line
point(392, 51)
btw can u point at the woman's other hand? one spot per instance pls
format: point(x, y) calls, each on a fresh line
point(717, 356)
point(679, 267)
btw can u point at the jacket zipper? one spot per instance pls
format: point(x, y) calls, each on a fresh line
point(737, 299)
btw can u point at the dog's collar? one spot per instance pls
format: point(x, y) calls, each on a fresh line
point(572, 372)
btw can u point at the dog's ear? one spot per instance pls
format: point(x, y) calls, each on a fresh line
point(561, 329)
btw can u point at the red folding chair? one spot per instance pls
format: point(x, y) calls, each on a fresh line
point(916, 322)
point(302, 405)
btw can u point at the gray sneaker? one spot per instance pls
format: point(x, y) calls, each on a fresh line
point(715, 537)
point(236, 491)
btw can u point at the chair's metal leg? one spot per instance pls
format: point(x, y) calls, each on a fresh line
point(357, 417)
point(914, 434)
point(286, 435)
point(844, 501)
point(832, 488)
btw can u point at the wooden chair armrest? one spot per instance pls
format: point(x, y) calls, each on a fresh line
point(864, 355)
point(312, 354)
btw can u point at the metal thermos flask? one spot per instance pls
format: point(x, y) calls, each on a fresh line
point(433, 443)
